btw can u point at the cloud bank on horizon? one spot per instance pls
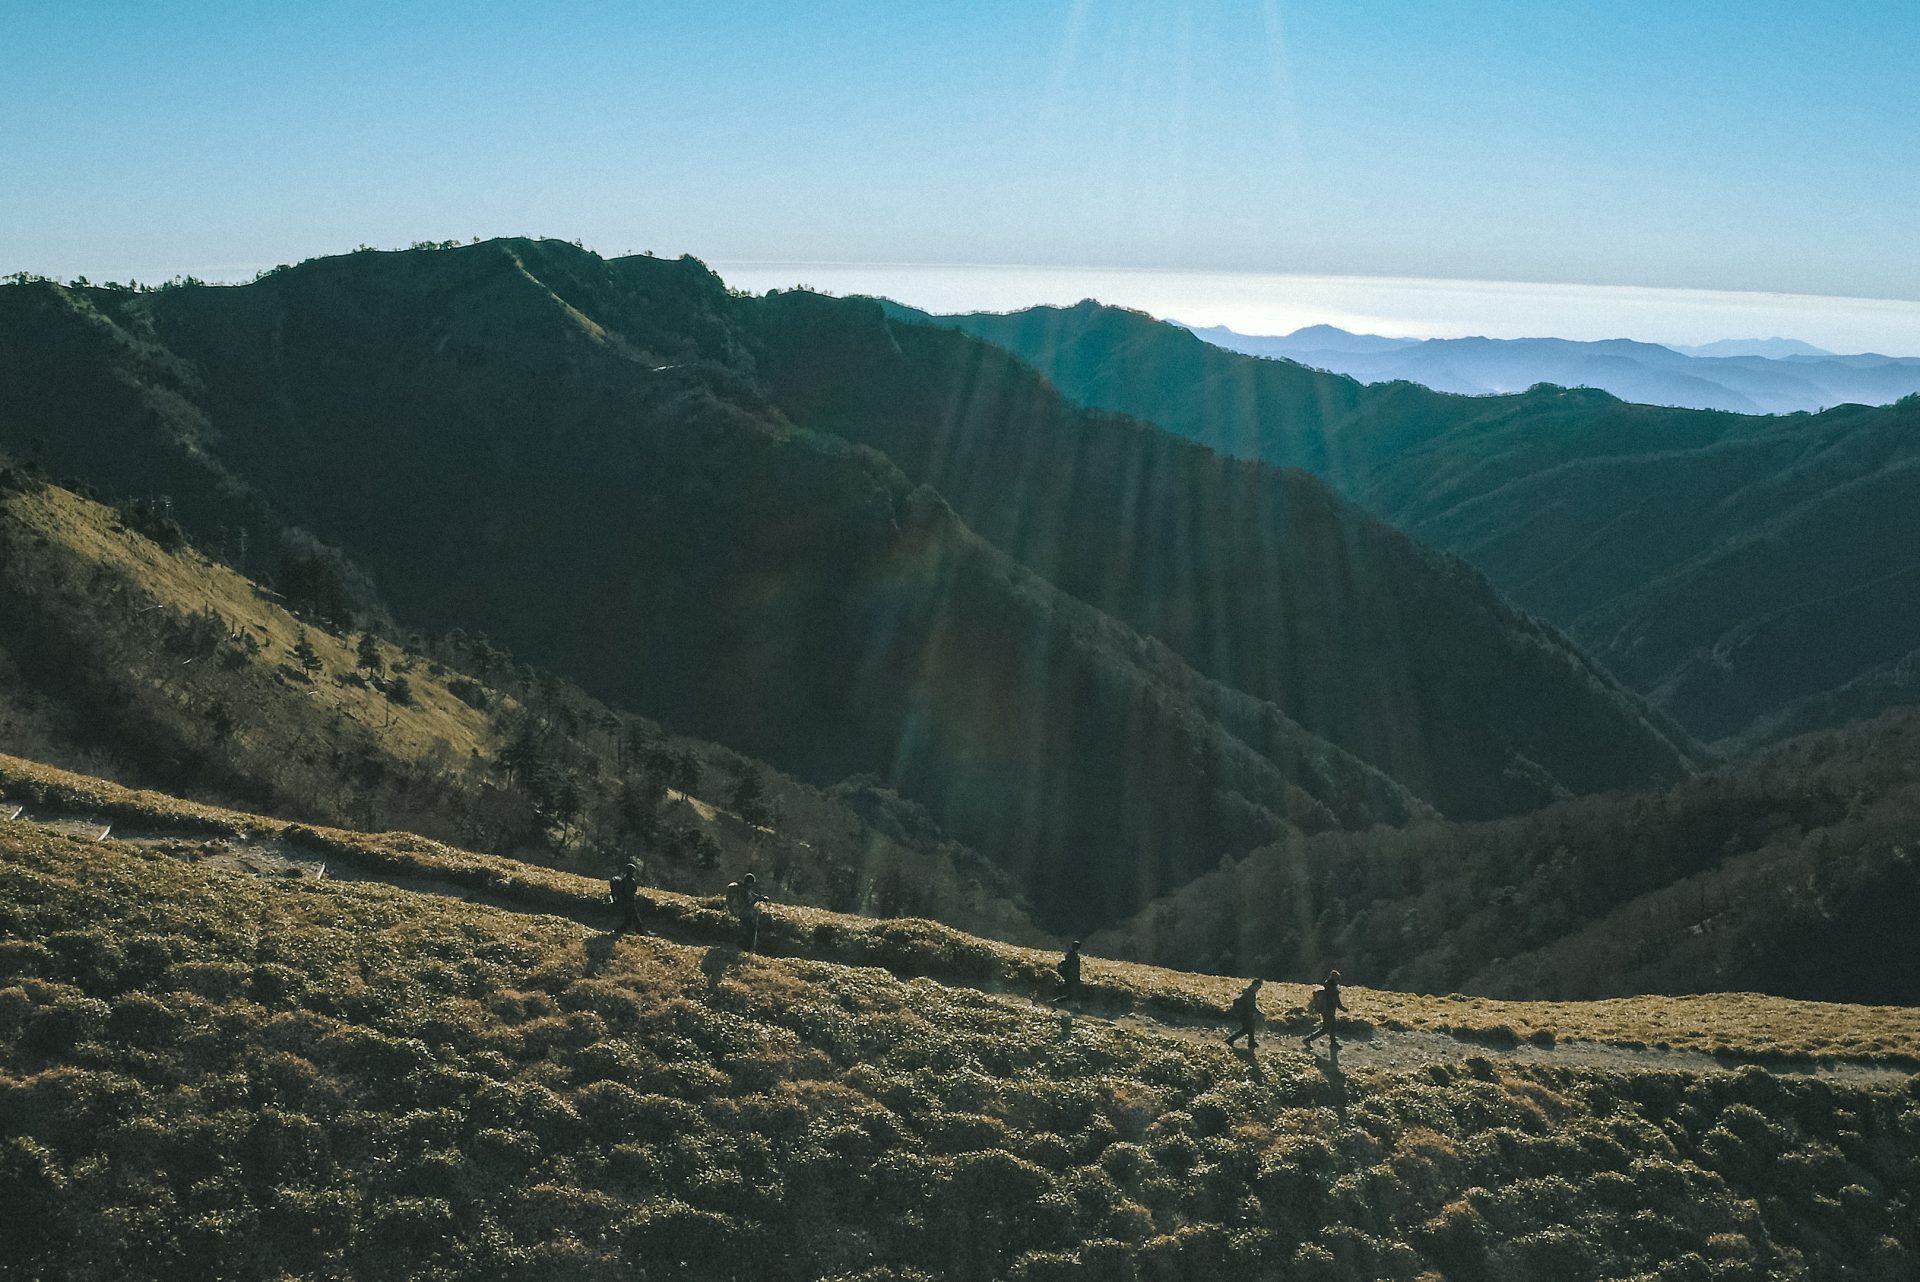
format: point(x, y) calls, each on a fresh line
point(1273, 303)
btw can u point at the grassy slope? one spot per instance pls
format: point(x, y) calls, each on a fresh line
point(1711, 1023)
point(122, 648)
point(69, 557)
point(202, 1073)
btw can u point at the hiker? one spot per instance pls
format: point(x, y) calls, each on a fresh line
point(1325, 1000)
point(1069, 969)
point(623, 892)
point(1246, 1009)
point(744, 902)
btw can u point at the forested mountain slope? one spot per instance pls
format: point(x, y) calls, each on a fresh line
point(1747, 572)
point(1261, 577)
point(576, 456)
point(1782, 381)
point(1795, 871)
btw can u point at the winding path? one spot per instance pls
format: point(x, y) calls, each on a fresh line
point(1397, 1050)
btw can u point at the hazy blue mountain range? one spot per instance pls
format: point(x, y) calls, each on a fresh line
point(1746, 376)
point(1771, 347)
point(1754, 575)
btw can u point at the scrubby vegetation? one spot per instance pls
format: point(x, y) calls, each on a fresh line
point(1730, 1025)
point(155, 663)
point(206, 1074)
point(1794, 872)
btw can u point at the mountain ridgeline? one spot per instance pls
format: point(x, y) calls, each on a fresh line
point(1752, 575)
point(1260, 577)
point(1102, 656)
point(1776, 376)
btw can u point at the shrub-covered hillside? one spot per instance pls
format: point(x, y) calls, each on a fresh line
point(126, 651)
point(1791, 872)
point(207, 1074)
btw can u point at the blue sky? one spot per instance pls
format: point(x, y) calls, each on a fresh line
point(1727, 146)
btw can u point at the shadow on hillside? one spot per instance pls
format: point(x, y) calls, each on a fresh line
point(1254, 1069)
point(719, 961)
point(600, 946)
point(1329, 1067)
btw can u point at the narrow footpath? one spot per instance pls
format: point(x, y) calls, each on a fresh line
point(1397, 1050)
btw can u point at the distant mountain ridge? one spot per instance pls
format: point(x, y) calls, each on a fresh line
point(1775, 348)
point(1261, 578)
point(1312, 338)
point(1749, 573)
point(1744, 376)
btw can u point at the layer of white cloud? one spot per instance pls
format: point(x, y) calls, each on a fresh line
point(1402, 307)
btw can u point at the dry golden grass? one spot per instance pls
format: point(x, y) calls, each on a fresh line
point(208, 1074)
point(84, 540)
point(173, 667)
point(1744, 1025)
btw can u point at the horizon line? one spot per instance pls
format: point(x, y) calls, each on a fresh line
point(1339, 277)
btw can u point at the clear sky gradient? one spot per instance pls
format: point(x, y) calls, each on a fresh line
point(1750, 146)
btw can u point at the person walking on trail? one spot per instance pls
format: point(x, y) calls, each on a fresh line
point(623, 892)
point(1246, 1011)
point(1324, 1002)
point(1069, 969)
point(744, 901)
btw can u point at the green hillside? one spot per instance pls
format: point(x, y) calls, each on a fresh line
point(582, 459)
point(208, 1073)
point(1750, 573)
point(1789, 872)
point(150, 662)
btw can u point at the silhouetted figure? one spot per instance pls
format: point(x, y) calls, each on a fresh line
point(1246, 1011)
point(624, 893)
point(1069, 969)
point(743, 901)
point(1324, 1002)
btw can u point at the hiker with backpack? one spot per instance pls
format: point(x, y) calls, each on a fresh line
point(1069, 969)
point(1324, 1001)
point(1246, 1011)
point(744, 901)
point(623, 892)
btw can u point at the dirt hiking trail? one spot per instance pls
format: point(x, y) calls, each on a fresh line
point(1361, 1046)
